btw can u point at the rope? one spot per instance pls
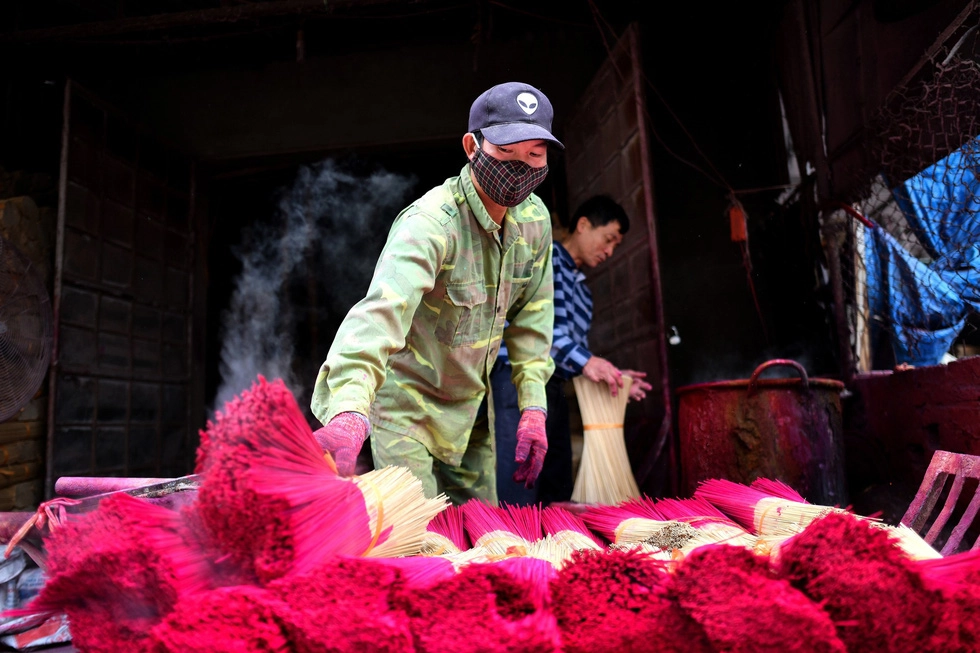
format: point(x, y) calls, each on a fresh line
point(381, 513)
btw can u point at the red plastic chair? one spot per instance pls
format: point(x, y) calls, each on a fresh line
point(945, 464)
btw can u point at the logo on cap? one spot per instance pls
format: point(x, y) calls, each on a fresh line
point(527, 102)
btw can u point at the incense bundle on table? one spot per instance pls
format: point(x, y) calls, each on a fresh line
point(420, 571)
point(491, 529)
point(548, 549)
point(758, 511)
point(445, 533)
point(239, 618)
point(775, 511)
point(446, 539)
point(268, 497)
point(710, 524)
point(867, 585)
point(485, 607)
point(604, 475)
point(569, 530)
point(730, 592)
point(618, 601)
point(524, 520)
point(120, 569)
point(955, 579)
point(344, 606)
point(775, 487)
point(908, 540)
point(534, 575)
point(636, 524)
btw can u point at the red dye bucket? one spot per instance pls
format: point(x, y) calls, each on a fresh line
point(787, 429)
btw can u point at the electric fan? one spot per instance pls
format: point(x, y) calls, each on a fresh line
point(26, 330)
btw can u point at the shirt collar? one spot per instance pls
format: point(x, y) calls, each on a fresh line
point(473, 199)
point(568, 261)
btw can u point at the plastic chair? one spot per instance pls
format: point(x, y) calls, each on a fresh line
point(945, 464)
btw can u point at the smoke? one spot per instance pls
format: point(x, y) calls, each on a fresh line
point(735, 366)
point(330, 226)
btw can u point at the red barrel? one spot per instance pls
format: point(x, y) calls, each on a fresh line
point(786, 429)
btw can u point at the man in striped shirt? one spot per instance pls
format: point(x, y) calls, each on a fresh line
point(595, 231)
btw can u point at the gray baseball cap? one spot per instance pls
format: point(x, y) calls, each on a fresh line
point(513, 112)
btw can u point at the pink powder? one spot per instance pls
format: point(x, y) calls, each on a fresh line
point(731, 593)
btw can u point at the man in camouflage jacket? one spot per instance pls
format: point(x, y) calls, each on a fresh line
point(410, 363)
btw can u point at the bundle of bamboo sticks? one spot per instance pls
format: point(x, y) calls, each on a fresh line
point(604, 475)
point(396, 504)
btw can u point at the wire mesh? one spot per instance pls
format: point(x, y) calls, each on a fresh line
point(26, 327)
point(912, 275)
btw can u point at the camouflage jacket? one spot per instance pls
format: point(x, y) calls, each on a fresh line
point(415, 353)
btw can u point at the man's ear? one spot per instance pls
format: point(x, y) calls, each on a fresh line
point(582, 224)
point(469, 145)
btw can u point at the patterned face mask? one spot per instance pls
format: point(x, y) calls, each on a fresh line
point(508, 183)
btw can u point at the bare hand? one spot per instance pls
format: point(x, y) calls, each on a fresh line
point(639, 388)
point(602, 371)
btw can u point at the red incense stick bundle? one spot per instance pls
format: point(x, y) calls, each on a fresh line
point(757, 511)
point(242, 618)
point(268, 497)
point(638, 524)
point(344, 606)
point(955, 579)
point(483, 609)
point(868, 586)
point(777, 512)
point(446, 533)
point(534, 576)
point(730, 592)
point(525, 521)
point(491, 528)
point(618, 601)
point(420, 571)
point(118, 570)
point(691, 508)
point(568, 529)
point(608, 520)
point(776, 488)
point(713, 526)
point(643, 506)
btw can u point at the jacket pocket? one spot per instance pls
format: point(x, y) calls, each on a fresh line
point(465, 315)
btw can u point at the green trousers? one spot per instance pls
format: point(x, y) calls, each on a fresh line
point(474, 478)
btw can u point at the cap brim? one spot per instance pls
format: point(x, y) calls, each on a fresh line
point(515, 132)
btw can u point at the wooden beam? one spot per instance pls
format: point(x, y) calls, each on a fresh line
point(228, 14)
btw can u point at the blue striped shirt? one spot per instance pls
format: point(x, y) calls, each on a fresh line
point(573, 316)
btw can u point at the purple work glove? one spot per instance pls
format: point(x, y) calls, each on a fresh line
point(532, 445)
point(342, 437)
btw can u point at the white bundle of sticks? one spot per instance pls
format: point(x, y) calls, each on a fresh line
point(604, 475)
point(395, 500)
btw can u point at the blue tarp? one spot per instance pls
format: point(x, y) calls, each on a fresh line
point(924, 306)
